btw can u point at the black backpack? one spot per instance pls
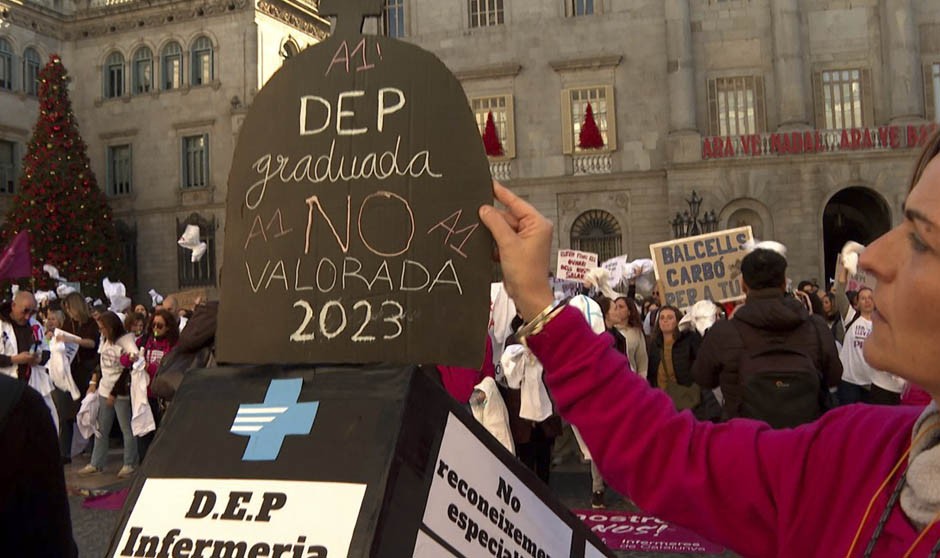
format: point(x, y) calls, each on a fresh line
point(780, 385)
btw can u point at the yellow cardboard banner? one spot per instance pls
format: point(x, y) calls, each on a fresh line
point(188, 299)
point(704, 267)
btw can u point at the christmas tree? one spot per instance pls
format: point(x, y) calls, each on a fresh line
point(590, 136)
point(494, 148)
point(58, 201)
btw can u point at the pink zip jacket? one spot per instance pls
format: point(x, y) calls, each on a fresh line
point(758, 491)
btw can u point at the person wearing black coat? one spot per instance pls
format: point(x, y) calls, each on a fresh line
point(684, 350)
point(34, 509)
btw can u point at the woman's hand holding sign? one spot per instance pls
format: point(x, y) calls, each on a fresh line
point(524, 240)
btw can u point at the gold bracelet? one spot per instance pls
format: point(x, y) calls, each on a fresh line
point(535, 326)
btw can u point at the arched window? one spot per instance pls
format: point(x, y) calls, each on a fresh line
point(201, 57)
point(290, 49)
point(6, 65)
point(114, 75)
point(31, 71)
point(172, 66)
point(598, 232)
point(143, 70)
point(201, 273)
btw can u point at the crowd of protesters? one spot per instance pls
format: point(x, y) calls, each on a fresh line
point(859, 480)
point(102, 346)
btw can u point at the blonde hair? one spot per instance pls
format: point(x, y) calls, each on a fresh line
point(76, 308)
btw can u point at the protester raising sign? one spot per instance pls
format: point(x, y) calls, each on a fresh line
point(351, 228)
point(574, 265)
point(704, 267)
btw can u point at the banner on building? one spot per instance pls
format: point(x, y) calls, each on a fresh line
point(704, 267)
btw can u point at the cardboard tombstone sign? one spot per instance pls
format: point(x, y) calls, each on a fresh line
point(317, 462)
point(352, 232)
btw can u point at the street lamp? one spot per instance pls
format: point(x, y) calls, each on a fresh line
point(688, 223)
point(678, 229)
point(709, 222)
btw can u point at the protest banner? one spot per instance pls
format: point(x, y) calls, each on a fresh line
point(859, 280)
point(623, 531)
point(351, 236)
point(352, 213)
point(704, 267)
point(189, 298)
point(574, 264)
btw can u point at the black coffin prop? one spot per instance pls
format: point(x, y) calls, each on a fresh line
point(355, 462)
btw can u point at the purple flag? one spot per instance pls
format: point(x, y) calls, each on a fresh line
point(15, 262)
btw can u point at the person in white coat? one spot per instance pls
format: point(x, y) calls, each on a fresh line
point(114, 343)
point(18, 342)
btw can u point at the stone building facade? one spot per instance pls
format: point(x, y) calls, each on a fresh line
point(800, 118)
point(159, 89)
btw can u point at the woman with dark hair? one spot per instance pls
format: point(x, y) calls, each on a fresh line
point(612, 318)
point(860, 481)
point(631, 327)
point(78, 321)
point(115, 343)
point(672, 353)
point(163, 337)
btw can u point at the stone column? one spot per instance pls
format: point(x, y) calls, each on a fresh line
point(680, 70)
point(788, 64)
point(684, 142)
point(904, 78)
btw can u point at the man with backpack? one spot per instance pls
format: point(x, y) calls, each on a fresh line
point(773, 361)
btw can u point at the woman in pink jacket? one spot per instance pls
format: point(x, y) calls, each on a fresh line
point(861, 481)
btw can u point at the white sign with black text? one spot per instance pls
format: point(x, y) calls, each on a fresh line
point(479, 507)
point(241, 517)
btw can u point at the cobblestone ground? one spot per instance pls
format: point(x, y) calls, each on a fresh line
point(93, 528)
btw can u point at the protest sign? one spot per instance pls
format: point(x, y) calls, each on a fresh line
point(188, 299)
point(704, 267)
point(624, 531)
point(859, 280)
point(352, 230)
point(257, 461)
point(574, 264)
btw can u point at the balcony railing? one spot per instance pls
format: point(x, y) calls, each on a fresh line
point(590, 163)
point(774, 144)
point(501, 170)
point(110, 3)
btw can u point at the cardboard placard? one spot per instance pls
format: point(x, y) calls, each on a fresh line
point(704, 267)
point(187, 299)
point(352, 230)
point(323, 462)
point(860, 279)
point(573, 265)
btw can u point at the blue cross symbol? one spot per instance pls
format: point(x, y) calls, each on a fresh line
point(266, 424)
